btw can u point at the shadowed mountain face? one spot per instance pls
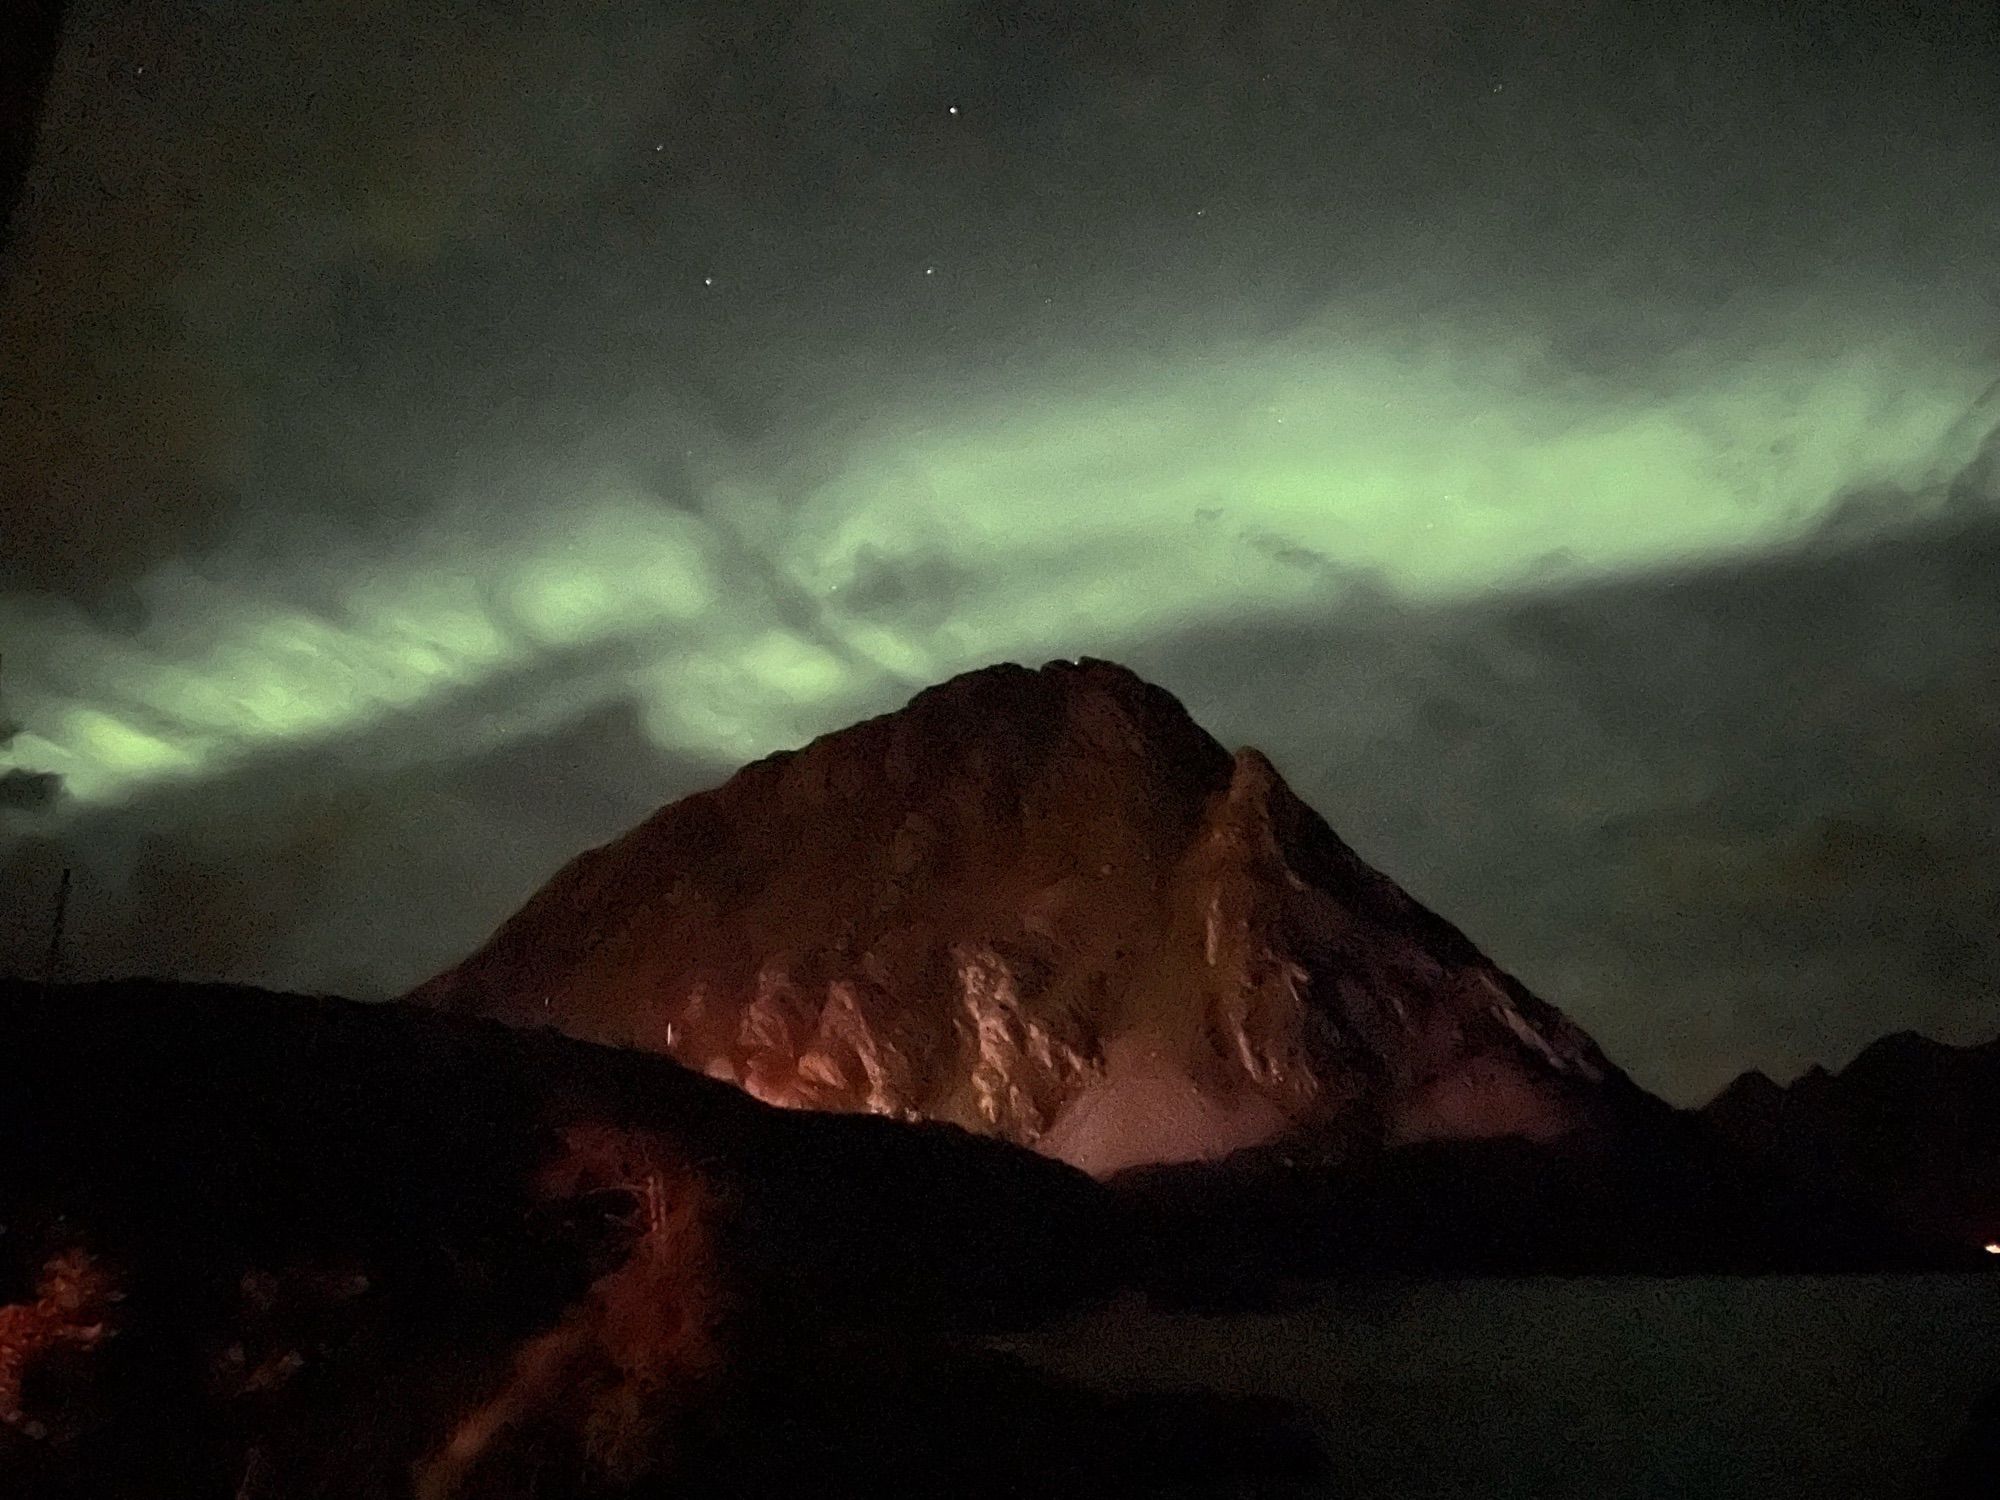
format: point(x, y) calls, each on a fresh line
point(1911, 1125)
point(1048, 906)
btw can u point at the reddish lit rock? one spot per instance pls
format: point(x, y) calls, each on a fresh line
point(1048, 906)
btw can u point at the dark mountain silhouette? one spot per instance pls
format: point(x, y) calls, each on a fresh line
point(1045, 905)
point(1911, 1125)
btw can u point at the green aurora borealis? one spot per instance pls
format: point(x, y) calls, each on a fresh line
point(1136, 500)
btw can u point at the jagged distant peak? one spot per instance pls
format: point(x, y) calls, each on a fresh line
point(1754, 1084)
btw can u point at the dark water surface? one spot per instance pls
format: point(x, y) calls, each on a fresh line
point(1773, 1386)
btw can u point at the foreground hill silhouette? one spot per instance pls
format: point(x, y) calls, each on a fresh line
point(1047, 906)
point(267, 1245)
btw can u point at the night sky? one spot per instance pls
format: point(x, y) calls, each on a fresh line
point(1565, 436)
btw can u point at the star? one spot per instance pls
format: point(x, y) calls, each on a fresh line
point(952, 110)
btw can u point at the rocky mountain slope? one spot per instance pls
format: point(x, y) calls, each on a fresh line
point(1045, 905)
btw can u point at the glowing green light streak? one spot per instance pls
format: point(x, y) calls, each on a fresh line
point(1027, 523)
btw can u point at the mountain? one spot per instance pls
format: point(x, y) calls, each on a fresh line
point(270, 1245)
point(1047, 906)
point(1911, 1126)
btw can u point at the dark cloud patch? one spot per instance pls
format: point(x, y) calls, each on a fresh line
point(324, 870)
point(1282, 549)
point(357, 862)
point(916, 589)
point(1969, 495)
point(28, 790)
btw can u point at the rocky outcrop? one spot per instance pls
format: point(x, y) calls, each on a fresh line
point(1045, 905)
